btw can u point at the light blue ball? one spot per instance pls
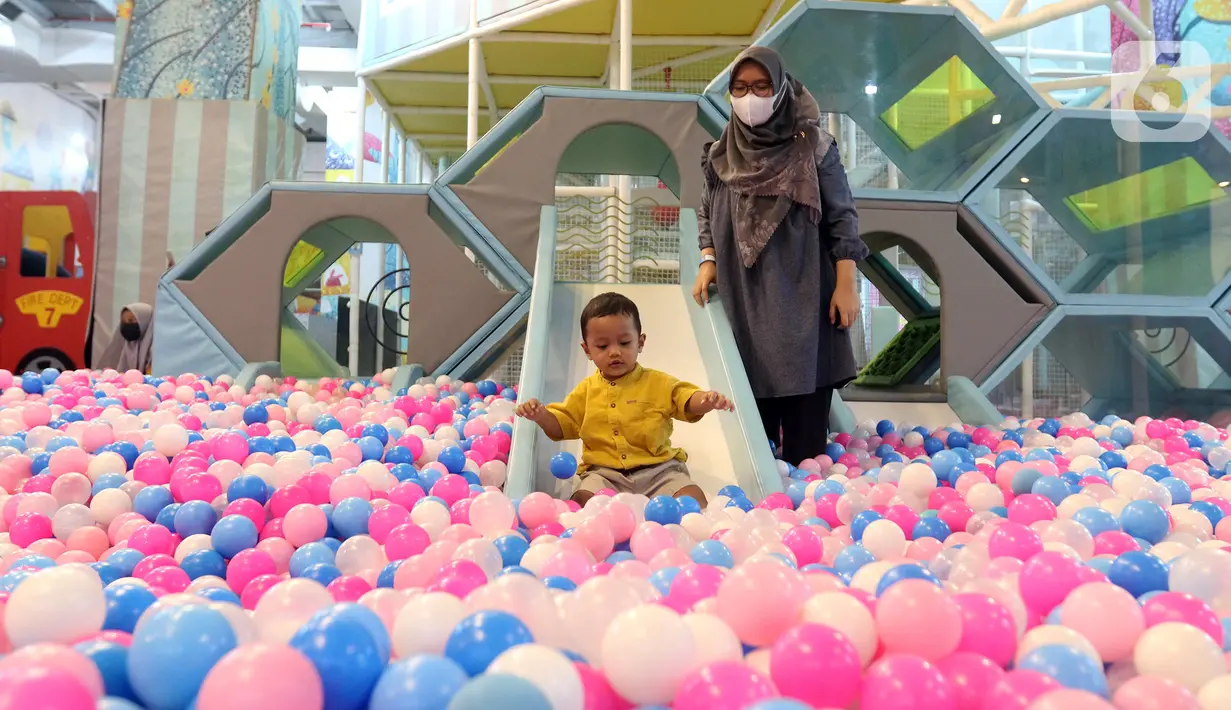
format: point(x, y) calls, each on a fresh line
point(421, 682)
point(173, 651)
point(499, 691)
point(1069, 666)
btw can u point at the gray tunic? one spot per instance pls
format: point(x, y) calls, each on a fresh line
point(779, 307)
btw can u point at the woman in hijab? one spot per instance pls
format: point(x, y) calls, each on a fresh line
point(130, 349)
point(779, 236)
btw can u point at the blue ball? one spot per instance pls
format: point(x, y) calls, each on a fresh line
point(452, 458)
point(203, 563)
point(256, 414)
point(387, 574)
point(378, 432)
point(105, 481)
point(1138, 573)
point(851, 558)
point(779, 704)
point(688, 504)
point(932, 527)
point(563, 465)
point(125, 604)
point(499, 691)
point(1096, 520)
point(350, 517)
point(313, 553)
point(901, 572)
point(166, 516)
point(345, 656)
point(1051, 488)
point(662, 579)
point(150, 501)
point(420, 682)
point(326, 423)
point(196, 517)
point(861, 521)
point(712, 552)
point(511, 549)
point(663, 510)
point(233, 534)
point(111, 659)
point(1146, 520)
point(174, 650)
point(370, 448)
point(1069, 666)
point(322, 574)
point(1181, 492)
point(1209, 510)
point(248, 486)
point(220, 594)
point(564, 584)
point(125, 560)
point(477, 639)
point(370, 621)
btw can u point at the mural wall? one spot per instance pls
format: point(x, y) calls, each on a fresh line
point(46, 143)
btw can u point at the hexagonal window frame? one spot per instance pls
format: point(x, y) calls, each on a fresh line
point(1096, 270)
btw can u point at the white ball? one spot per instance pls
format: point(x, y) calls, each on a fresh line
point(56, 605)
point(424, 624)
point(1216, 694)
point(918, 479)
point(713, 639)
point(170, 439)
point(1179, 652)
point(646, 652)
point(884, 539)
point(1054, 635)
point(846, 615)
point(548, 670)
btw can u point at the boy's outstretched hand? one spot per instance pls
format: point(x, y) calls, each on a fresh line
point(706, 402)
point(531, 409)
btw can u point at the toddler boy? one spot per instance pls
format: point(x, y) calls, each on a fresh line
point(623, 412)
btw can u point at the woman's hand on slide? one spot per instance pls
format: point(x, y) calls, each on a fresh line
point(844, 305)
point(707, 276)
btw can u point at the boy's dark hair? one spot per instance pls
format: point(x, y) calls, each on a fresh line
point(610, 304)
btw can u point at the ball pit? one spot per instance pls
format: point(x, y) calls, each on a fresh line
point(178, 543)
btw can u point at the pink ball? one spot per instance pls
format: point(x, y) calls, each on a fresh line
point(150, 563)
point(760, 600)
point(405, 541)
point(573, 565)
point(724, 685)
point(348, 588)
point(1114, 542)
point(152, 468)
point(151, 540)
point(29, 527)
point(305, 523)
point(459, 578)
point(42, 687)
point(1030, 508)
point(287, 497)
point(972, 677)
point(598, 692)
point(1018, 689)
point(172, 579)
point(316, 483)
point(808, 652)
point(451, 488)
point(1047, 578)
point(692, 584)
point(254, 590)
point(918, 617)
point(1148, 692)
point(1011, 539)
point(988, 628)
point(903, 682)
point(348, 486)
point(805, 544)
point(247, 566)
point(1184, 608)
point(649, 539)
point(537, 509)
point(261, 677)
point(248, 508)
point(201, 486)
point(903, 517)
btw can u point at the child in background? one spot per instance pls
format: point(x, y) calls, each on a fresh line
point(623, 412)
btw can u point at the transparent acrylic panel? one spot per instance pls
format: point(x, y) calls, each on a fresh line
point(879, 320)
point(1105, 215)
point(944, 99)
point(1039, 387)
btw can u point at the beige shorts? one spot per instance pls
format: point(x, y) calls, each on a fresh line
point(664, 479)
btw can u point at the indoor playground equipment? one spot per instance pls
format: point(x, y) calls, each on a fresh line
point(966, 134)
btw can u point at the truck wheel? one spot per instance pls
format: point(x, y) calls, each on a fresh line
point(43, 358)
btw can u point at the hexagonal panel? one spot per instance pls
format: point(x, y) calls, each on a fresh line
point(1132, 360)
point(941, 105)
point(1096, 216)
point(232, 290)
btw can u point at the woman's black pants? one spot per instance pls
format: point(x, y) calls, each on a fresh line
point(798, 425)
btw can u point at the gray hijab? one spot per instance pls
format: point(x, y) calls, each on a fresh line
point(772, 166)
point(123, 355)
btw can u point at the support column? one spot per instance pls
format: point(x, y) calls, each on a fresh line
point(201, 115)
point(474, 64)
point(361, 129)
point(385, 151)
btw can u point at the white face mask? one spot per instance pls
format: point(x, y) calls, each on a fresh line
point(753, 110)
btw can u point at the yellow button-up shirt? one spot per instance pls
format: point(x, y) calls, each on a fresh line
point(625, 424)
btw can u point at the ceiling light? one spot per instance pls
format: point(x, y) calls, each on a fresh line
point(870, 89)
point(1224, 183)
point(996, 120)
point(1025, 180)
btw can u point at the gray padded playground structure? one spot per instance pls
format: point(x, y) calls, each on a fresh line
point(223, 309)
